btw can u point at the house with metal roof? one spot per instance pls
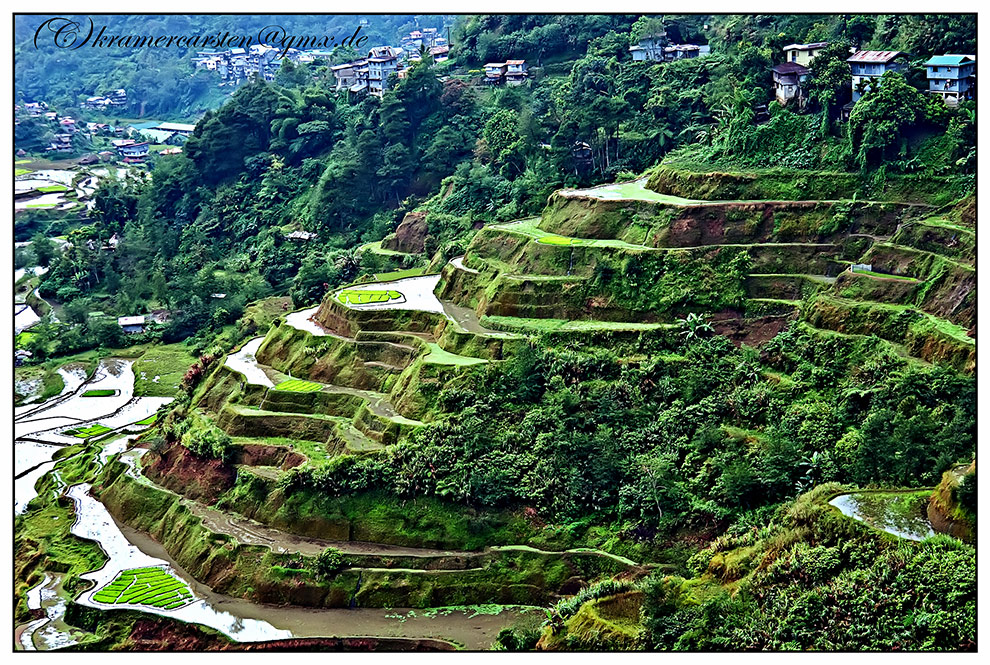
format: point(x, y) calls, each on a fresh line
point(952, 77)
point(131, 324)
point(649, 48)
point(789, 80)
point(803, 54)
point(869, 65)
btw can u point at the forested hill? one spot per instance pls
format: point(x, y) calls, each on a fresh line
point(294, 154)
point(162, 81)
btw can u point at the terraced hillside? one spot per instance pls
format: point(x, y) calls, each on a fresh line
point(243, 484)
point(624, 253)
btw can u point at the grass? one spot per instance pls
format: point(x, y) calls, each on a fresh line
point(152, 587)
point(167, 362)
point(376, 248)
point(399, 274)
point(437, 356)
point(561, 240)
point(50, 189)
point(299, 386)
point(364, 297)
point(23, 338)
point(102, 392)
point(634, 190)
point(95, 429)
point(523, 325)
point(883, 275)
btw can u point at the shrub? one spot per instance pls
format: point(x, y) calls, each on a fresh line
point(329, 562)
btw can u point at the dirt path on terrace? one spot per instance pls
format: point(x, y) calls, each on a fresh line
point(458, 626)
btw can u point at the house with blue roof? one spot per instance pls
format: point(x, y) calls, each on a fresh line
point(952, 77)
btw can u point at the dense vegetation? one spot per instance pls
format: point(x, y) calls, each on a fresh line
point(670, 438)
point(700, 434)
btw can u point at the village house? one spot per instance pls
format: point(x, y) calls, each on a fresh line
point(650, 48)
point(869, 65)
point(352, 76)
point(681, 51)
point(181, 128)
point(382, 61)
point(440, 53)
point(60, 143)
point(115, 99)
point(131, 151)
point(951, 77)
point(495, 72)
point(304, 236)
point(515, 72)
point(35, 109)
point(803, 54)
point(131, 324)
point(789, 80)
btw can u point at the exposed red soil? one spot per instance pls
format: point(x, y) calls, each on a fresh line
point(752, 331)
point(410, 236)
point(148, 634)
point(178, 469)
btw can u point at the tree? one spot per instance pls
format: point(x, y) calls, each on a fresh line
point(44, 248)
point(883, 121)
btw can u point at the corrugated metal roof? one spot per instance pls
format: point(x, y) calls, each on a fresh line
point(805, 47)
point(950, 60)
point(791, 68)
point(873, 56)
point(130, 321)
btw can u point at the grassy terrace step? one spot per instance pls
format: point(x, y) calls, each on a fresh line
point(376, 248)
point(535, 326)
point(821, 279)
point(528, 228)
point(921, 253)
point(314, 451)
point(437, 356)
point(927, 337)
point(355, 441)
point(229, 565)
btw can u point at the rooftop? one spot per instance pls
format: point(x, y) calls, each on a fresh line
point(175, 127)
point(873, 56)
point(949, 60)
point(805, 47)
point(130, 321)
point(790, 68)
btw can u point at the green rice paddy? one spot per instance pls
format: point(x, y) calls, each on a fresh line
point(299, 386)
point(95, 429)
point(50, 189)
point(100, 393)
point(399, 274)
point(561, 240)
point(153, 587)
point(18, 172)
point(364, 297)
point(150, 420)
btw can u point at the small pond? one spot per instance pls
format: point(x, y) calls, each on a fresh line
point(903, 514)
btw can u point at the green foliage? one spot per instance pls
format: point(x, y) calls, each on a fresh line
point(966, 492)
point(329, 562)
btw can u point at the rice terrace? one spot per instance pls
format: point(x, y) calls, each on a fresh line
point(513, 333)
